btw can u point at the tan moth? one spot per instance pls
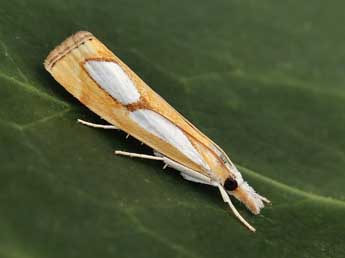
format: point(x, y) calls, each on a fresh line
point(107, 86)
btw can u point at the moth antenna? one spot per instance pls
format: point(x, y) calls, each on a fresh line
point(227, 199)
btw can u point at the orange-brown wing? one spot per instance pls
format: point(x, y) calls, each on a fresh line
point(74, 65)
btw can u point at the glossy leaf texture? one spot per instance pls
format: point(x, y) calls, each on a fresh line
point(264, 79)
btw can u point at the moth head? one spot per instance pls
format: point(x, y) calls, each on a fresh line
point(236, 186)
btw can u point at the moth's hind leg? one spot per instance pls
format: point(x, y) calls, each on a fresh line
point(112, 127)
point(97, 125)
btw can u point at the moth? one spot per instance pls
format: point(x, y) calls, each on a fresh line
point(107, 86)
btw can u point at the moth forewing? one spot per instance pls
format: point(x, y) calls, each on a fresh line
point(70, 72)
point(107, 86)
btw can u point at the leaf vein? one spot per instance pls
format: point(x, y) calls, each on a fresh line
point(20, 72)
point(174, 246)
point(292, 189)
point(29, 87)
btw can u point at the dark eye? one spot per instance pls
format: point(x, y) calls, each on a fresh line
point(230, 184)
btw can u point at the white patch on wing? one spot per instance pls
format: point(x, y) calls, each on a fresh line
point(167, 131)
point(113, 80)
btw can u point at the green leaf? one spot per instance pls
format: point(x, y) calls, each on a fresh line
point(264, 79)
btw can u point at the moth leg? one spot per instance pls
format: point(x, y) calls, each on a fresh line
point(191, 175)
point(186, 173)
point(197, 177)
point(226, 199)
point(137, 155)
point(97, 125)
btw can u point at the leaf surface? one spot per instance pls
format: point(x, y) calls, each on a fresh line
point(263, 79)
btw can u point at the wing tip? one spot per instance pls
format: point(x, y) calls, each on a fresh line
point(66, 46)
